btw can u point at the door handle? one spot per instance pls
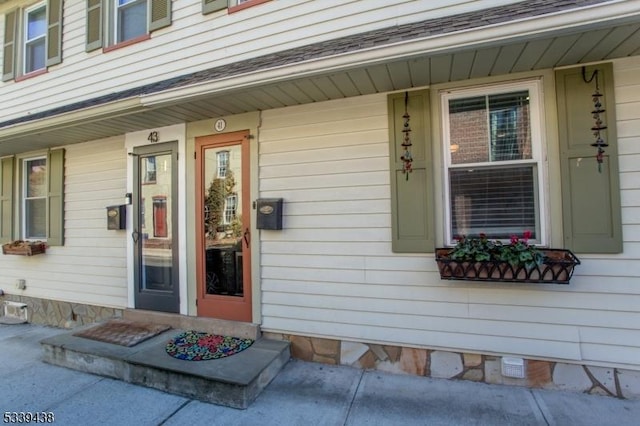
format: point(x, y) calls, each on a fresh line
point(135, 235)
point(247, 237)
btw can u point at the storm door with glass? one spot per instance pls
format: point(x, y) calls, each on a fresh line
point(222, 226)
point(155, 228)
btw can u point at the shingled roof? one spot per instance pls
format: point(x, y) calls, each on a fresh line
point(342, 45)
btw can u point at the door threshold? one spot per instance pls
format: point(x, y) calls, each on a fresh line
point(244, 330)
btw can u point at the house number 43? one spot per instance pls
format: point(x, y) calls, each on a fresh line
point(153, 137)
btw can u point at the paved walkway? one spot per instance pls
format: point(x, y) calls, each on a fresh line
point(302, 394)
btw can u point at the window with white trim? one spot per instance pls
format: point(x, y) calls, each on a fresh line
point(31, 39)
point(222, 158)
point(130, 19)
point(34, 198)
point(230, 208)
point(35, 36)
point(494, 173)
point(112, 24)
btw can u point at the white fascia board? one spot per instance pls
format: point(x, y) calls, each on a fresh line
point(593, 16)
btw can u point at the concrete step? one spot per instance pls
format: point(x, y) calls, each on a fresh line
point(210, 325)
point(234, 381)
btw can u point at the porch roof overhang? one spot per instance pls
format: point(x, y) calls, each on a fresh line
point(525, 36)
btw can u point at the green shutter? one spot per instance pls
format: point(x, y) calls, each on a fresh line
point(6, 199)
point(55, 213)
point(590, 200)
point(54, 32)
point(9, 45)
point(210, 6)
point(159, 14)
point(94, 25)
point(412, 206)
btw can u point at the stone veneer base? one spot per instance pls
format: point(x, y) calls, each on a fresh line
point(615, 382)
point(62, 314)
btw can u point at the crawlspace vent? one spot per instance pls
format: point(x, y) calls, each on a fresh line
point(513, 367)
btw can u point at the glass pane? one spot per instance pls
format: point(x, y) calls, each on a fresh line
point(36, 23)
point(35, 217)
point(36, 184)
point(34, 56)
point(223, 163)
point(155, 222)
point(510, 130)
point(132, 20)
point(490, 128)
point(148, 168)
point(223, 222)
point(499, 202)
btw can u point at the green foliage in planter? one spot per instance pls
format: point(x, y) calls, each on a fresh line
point(481, 249)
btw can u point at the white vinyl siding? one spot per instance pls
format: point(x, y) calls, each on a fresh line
point(91, 266)
point(331, 272)
point(188, 45)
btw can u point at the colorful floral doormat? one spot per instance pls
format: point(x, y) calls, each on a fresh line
point(197, 346)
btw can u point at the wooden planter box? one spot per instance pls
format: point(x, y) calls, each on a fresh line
point(557, 268)
point(24, 248)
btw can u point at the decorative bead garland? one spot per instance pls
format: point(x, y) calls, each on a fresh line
point(406, 144)
point(599, 124)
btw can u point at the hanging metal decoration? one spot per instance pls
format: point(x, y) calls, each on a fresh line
point(406, 140)
point(599, 125)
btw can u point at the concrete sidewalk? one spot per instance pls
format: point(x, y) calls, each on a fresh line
point(302, 394)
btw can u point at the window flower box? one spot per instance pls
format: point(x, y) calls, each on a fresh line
point(24, 248)
point(556, 268)
point(482, 259)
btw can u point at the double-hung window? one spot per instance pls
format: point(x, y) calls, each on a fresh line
point(230, 208)
point(504, 167)
point(494, 175)
point(35, 25)
point(34, 198)
point(130, 18)
point(223, 163)
point(117, 23)
point(32, 39)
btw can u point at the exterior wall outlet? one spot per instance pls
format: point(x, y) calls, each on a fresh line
point(21, 284)
point(513, 367)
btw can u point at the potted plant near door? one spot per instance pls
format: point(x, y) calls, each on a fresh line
point(482, 259)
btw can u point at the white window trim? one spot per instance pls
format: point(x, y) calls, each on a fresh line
point(536, 102)
point(223, 159)
point(113, 18)
point(230, 208)
point(23, 35)
point(23, 197)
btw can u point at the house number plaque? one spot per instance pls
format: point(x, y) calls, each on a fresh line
point(220, 125)
point(153, 137)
